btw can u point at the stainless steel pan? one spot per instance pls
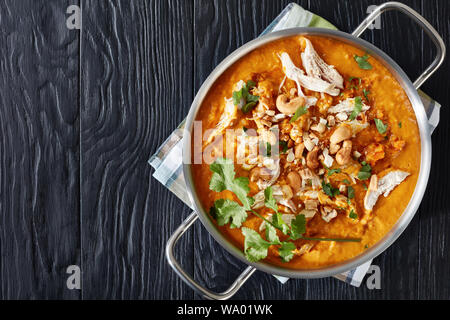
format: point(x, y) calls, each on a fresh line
point(425, 135)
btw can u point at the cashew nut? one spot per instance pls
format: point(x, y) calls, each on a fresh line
point(334, 148)
point(258, 172)
point(294, 180)
point(299, 150)
point(287, 191)
point(311, 159)
point(343, 132)
point(288, 107)
point(343, 157)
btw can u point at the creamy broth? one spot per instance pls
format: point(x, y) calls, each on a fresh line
point(398, 149)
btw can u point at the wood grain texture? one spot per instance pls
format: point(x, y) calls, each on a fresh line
point(80, 116)
point(136, 88)
point(39, 155)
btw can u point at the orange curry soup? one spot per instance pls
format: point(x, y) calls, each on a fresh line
point(349, 151)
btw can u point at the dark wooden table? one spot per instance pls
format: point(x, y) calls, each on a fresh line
point(82, 112)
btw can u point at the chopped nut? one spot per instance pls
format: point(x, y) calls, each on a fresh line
point(311, 204)
point(328, 213)
point(320, 127)
point(331, 121)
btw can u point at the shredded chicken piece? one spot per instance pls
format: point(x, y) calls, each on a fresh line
point(229, 114)
point(328, 214)
point(383, 186)
point(317, 68)
point(311, 204)
point(307, 175)
point(304, 249)
point(298, 75)
point(347, 106)
point(308, 213)
point(277, 195)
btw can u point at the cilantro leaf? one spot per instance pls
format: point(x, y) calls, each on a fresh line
point(298, 226)
point(271, 234)
point(353, 215)
point(249, 106)
point(333, 171)
point(244, 98)
point(400, 124)
point(366, 94)
point(298, 113)
point(362, 61)
point(365, 172)
point(286, 251)
point(284, 146)
point(381, 127)
point(223, 179)
point(277, 220)
point(330, 190)
point(268, 149)
point(269, 200)
point(353, 86)
point(357, 109)
point(255, 247)
point(350, 192)
point(226, 210)
point(346, 181)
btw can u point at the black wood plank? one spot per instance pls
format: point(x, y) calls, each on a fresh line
point(39, 150)
point(434, 275)
point(136, 88)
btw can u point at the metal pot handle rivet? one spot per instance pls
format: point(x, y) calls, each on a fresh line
point(227, 294)
point(424, 24)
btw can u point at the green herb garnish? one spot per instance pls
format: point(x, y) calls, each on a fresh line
point(366, 94)
point(223, 178)
point(365, 172)
point(359, 82)
point(330, 190)
point(357, 109)
point(362, 62)
point(381, 127)
point(284, 146)
point(350, 192)
point(333, 171)
point(298, 113)
point(268, 150)
point(255, 247)
point(228, 210)
point(400, 125)
point(346, 181)
point(271, 203)
point(353, 215)
point(244, 98)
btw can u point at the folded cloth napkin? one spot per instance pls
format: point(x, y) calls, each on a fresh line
point(167, 161)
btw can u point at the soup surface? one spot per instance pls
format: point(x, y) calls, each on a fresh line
point(310, 152)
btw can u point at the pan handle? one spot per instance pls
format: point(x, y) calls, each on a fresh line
point(227, 294)
point(424, 24)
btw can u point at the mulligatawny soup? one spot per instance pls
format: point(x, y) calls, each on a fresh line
point(311, 152)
